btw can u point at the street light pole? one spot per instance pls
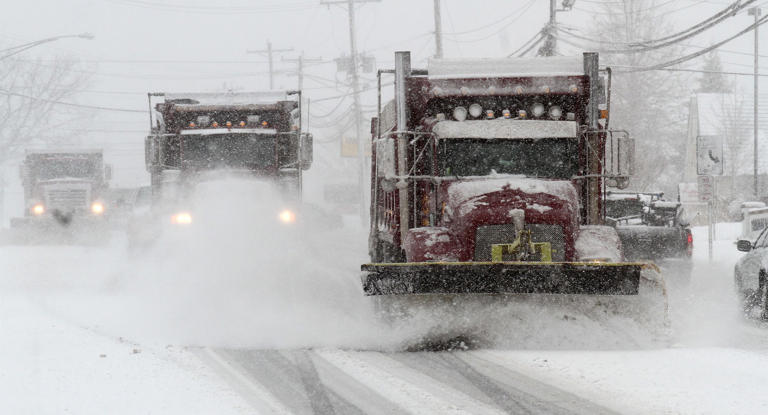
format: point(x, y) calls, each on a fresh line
point(21, 48)
point(755, 11)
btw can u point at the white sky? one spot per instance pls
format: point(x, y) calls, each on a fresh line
point(138, 44)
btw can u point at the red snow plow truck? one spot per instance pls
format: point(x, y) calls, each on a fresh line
point(489, 177)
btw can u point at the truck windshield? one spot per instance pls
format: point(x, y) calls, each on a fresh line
point(546, 157)
point(229, 151)
point(49, 169)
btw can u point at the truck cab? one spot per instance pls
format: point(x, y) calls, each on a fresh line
point(195, 137)
point(65, 197)
point(488, 175)
point(65, 186)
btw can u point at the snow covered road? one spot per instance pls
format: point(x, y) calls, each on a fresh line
point(330, 381)
point(95, 330)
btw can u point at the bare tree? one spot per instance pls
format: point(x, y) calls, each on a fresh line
point(650, 104)
point(29, 111)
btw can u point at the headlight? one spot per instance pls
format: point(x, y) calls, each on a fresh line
point(38, 209)
point(596, 260)
point(97, 208)
point(460, 113)
point(537, 110)
point(475, 110)
point(555, 112)
point(287, 216)
point(181, 218)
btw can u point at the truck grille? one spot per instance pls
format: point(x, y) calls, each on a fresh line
point(69, 199)
point(485, 236)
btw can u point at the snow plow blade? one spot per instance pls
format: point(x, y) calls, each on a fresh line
point(521, 304)
point(502, 278)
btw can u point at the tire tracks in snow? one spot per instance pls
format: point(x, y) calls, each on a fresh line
point(330, 381)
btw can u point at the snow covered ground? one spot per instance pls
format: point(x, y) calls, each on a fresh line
point(237, 325)
point(52, 365)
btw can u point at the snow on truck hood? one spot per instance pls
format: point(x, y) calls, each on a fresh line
point(506, 129)
point(473, 187)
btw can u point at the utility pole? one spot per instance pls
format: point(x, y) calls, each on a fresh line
point(269, 51)
point(356, 94)
point(549, 48)
point(438, 31)
point(300, 61)
point(755, 11)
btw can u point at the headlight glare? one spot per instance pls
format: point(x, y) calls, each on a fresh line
point(181, 218)
point(287, 216)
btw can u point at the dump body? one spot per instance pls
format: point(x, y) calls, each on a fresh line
point(486, 175)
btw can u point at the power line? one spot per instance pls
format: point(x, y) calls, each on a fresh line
point(648, 45)
point(72, 104)
point(283, 7)
point(534, 37)
point(487, 25)
point(657, 6)
point(520, 14)
point(686, 70)
point(703, 51)
point(149, 61)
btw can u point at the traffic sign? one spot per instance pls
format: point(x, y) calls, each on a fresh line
point(706, 188)
point(709, 155)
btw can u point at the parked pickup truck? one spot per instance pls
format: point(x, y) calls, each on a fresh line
point(652, 229)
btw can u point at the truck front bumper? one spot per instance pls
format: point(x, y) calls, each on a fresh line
point(502, 278)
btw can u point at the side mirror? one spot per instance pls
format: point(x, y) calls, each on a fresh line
point(306, 150)
point(107, 172)
point(744, 245)
point(619, 159)
point(626, 152)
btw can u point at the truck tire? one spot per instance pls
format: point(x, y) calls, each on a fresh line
point(763, 294)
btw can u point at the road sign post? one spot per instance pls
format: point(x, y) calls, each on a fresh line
point(706, 190)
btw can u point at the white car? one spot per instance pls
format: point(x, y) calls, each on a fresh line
point(750, 274)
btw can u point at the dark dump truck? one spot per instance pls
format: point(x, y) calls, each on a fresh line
point(64, 196)
point(652, 229)
point(247, 135)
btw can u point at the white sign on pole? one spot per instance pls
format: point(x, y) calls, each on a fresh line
point(709, 155)
point(706, 188)
point(688, 192)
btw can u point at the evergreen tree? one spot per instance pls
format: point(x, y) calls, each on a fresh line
point(711, 80)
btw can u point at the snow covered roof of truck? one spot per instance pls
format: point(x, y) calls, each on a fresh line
point(65, 151)
point(227, 98)
point(505, 67)
point(506, 129)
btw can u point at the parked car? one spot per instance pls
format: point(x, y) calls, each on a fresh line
point(750, 275)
